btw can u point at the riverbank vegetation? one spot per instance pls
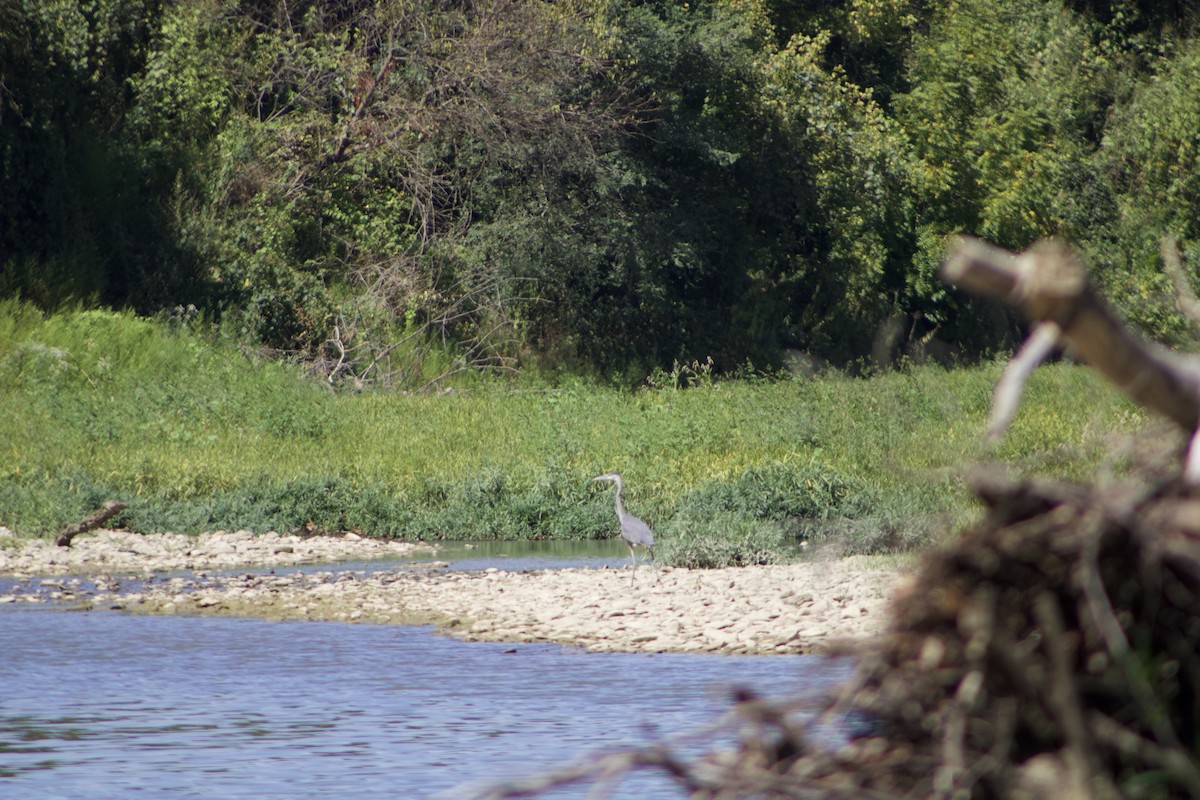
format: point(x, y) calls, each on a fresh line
point(198, 433)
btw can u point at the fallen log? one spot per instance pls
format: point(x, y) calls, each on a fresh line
point(92, 521)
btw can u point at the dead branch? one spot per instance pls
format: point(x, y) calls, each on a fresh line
point(94, 520)
point(1079, 754)
point(473, 318)
point(1037, 348)
point(336, 341)
point(364, 102)
point(1048, 283)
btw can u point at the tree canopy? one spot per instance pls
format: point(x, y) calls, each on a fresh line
point(603, 186)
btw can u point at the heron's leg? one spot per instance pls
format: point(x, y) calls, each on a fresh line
point(632, 558)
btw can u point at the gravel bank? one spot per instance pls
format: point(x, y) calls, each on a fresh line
point(799, 608)
point(108, 552)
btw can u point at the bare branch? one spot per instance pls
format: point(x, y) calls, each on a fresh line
point(1173, 761)
point(336, 341)
point(364, 102)
point(1063, 697)
point(1007, 397)
point(1048, 283)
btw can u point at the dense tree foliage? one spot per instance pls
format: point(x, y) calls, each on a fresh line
point(602, 185)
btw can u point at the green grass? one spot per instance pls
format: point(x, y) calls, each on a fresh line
point(199, 435)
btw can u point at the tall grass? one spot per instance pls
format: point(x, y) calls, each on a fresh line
point(199, 435)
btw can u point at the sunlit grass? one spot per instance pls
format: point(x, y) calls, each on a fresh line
point(197, 434)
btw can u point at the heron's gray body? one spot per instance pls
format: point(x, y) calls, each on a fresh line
point(634, 531)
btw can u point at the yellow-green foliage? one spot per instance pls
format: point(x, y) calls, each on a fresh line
point(199, 435)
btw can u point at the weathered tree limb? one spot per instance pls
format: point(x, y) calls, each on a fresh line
point(1048, 283)
point(1037, 348)
point(94, 520)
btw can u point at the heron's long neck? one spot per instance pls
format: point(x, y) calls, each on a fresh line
point(620, 507)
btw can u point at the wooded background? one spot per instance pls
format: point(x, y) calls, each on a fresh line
point(598, 186)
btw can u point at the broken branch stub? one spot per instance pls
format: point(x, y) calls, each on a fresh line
point(1048, 283)
point(94, 520)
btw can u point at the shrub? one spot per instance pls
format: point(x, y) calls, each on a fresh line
point(778, 492)
point(726, 540)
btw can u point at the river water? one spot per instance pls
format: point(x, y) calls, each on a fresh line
point(110, 705)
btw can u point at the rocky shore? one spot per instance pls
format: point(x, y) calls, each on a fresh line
point(109, 552)
point(798, 608)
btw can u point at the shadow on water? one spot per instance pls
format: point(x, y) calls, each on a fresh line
point(109, 705)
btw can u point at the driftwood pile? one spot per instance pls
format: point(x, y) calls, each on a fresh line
point(1052, 651)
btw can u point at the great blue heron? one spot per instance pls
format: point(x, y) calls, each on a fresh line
point(634, 531)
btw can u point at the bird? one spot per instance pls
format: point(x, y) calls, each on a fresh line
point(634, 531)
